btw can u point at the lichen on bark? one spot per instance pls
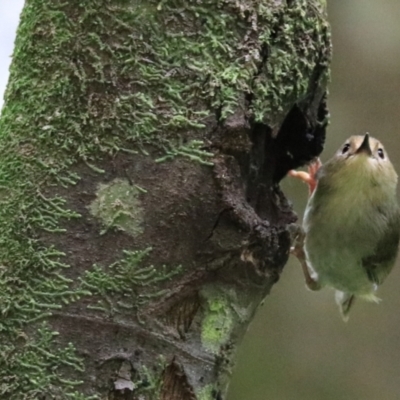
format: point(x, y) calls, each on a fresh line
point(117, 206)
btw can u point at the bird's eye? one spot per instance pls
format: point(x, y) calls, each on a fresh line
point(381, 154)
point(346, 148)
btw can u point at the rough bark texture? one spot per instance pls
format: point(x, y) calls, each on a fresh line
point(141, 219)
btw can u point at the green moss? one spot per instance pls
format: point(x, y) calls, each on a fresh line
point(205, 393)
point(121, 284)
point(155, 82)
point(149, 380)
point(217, 322)
point(293, 38)
point(24, 363)
point(192, 151)
point(117, 205)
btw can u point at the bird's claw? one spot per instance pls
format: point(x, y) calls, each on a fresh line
point(310, 176)
point(298, 251)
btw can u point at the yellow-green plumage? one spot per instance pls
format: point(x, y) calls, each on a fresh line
point(352, 221)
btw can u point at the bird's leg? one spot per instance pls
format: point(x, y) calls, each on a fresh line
point(298, 248)
point(308, 177)
point(298, 251)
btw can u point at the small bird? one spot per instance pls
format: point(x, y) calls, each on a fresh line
point(351, 226)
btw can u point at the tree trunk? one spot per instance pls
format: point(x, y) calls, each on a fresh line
point(142, 223)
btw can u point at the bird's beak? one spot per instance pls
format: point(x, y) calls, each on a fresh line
point(364, 148)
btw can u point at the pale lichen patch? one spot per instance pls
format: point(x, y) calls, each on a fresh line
point(117, 205)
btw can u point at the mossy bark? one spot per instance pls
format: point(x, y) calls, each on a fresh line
point(141, 219)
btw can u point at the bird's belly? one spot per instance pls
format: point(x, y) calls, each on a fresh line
point(340, 268)
point(335, 244)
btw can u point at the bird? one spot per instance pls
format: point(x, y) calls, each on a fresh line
point(351, 226)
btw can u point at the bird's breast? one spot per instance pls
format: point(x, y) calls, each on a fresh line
point(342, 227)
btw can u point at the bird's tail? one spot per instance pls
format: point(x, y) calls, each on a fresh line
point(345, 301)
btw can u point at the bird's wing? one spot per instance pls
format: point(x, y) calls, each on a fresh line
point(380, 263)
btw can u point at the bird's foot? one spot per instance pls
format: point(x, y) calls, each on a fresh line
point(310, 176)
point(298, 251)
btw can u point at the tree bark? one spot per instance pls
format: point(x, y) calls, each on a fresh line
point(141, 217)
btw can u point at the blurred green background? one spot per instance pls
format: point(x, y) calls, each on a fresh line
point(298, 348)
